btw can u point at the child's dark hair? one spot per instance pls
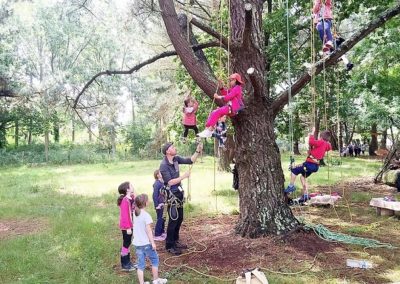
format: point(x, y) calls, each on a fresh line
point(326, 135)
point(122, 189)
point(156, 172)
point(186, 102)
point(140, 203)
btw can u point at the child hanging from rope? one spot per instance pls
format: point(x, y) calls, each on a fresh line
point(189, 116)
point(323, 17)
point(234, 104)
point(220, 132)
point(317, 151)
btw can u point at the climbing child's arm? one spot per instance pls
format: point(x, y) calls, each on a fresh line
point(233, 93)
point(317, 6)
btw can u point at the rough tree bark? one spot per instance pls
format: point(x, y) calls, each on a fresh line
point(383, 140)
point(373, 145)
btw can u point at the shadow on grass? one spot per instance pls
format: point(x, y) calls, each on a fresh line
point(224, 192)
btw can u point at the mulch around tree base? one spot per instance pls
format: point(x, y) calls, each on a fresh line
point(226, 254)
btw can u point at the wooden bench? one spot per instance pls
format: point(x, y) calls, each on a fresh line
point(385, 208)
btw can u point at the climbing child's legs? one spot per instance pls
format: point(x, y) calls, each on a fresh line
point(324, 30)
point(216, 114)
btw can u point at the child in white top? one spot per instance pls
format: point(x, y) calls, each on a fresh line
point(143, 240)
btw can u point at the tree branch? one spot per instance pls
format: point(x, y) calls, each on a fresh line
point(304, 79)
point(203, 78)
point(139, 66)
point(8, 94)
point(210, 31)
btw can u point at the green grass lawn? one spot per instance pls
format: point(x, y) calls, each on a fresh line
point(74, 217)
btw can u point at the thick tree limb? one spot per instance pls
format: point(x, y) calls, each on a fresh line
point(304, 79)
point(210, 31)
point(139, 66)
point(206, 81)
point(8, 94)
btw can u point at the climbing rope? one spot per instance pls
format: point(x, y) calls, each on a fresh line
point(327, 235)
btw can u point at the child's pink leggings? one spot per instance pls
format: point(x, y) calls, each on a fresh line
point(216, 114)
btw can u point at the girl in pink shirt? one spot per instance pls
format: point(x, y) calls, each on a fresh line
point(126, 205)
point(317, 151)
point(234, 104)
point(322, 13)
point(189, 116)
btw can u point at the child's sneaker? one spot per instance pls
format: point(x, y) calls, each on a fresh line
point(290, 188)
point(206, 133)
point(160, 281)
point(129, 267)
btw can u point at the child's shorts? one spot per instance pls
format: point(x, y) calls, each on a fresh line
point(146, 251)
point(305, 169)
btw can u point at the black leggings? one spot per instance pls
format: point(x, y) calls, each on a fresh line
point(187, 127)
point(127, 239)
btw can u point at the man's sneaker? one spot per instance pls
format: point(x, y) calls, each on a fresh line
point(206, 133)
point(290, 188)
point(179, 245)
point(160, 281)
point(174, 251)
point(349, 66)
point(160, 238)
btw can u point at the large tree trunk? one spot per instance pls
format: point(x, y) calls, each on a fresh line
point(46, 145)
point(373, 145)
point(16, 133)
point(226, 157)
point(383, 140)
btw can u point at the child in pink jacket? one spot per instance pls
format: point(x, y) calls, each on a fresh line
point(234, 104)
point(125, 202)
point(189, 116)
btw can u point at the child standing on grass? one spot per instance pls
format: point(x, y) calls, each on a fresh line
point(144, 242)
point(125, 203)
point(158, 200)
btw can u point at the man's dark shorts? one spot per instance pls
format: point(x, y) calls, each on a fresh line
point(305, 169)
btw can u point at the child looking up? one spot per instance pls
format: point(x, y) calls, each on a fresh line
point(158, 200)
point(125, 203)
point(143, 240)
point(220, 132)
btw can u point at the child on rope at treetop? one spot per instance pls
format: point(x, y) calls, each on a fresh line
point(234, 104)
point(220, 132)
point(159, 202)
point(317, 151)
point(323, 17)
point(126, 206)
point(189, 116)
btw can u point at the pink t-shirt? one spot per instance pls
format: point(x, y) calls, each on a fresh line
point(320, 10)
point(319, 147)
point(189, 114)
point(125, 214)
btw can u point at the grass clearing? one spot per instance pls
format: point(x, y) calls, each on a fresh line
point(80, 240)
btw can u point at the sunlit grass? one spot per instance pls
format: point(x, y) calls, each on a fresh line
point(81, 240)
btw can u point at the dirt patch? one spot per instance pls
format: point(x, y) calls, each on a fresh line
point(19, 227)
